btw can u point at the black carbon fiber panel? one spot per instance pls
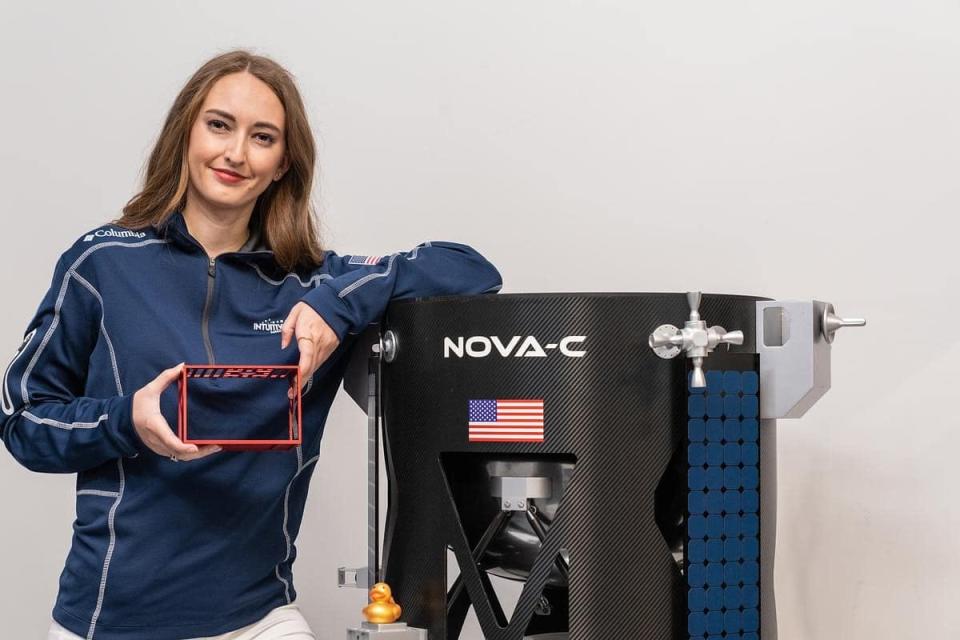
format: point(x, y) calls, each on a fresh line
point(619, 410)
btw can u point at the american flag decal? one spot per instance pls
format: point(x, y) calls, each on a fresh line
point(364, 259)
point(505, 420)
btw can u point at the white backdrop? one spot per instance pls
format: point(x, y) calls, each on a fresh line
point(791, 150)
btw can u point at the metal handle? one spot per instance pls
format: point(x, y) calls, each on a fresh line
point(732, 337)
point(831, 323)
point(664, 340)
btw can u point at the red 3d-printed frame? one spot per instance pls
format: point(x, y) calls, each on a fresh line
point(248, 372)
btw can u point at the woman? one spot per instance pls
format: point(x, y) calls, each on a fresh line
point(173, 540)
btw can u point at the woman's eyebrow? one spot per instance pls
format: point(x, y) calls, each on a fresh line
point(227, 116)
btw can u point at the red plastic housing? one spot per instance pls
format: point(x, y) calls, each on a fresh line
point(248, 372)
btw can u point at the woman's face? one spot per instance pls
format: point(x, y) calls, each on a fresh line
point(236, 146)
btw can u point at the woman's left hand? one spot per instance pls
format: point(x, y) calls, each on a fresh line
point(315, 339)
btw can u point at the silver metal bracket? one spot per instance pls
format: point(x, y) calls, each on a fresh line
point(393, 631)
point(794, 342)
point(515, 493)
point(355, 578)
point(695, 339)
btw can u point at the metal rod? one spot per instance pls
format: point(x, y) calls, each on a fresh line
point(373, 471)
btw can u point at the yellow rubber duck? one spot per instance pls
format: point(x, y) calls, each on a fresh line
point(382, 609)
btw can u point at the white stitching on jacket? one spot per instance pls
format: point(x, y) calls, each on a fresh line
point(98, 492)
point(23, 387)
point(106, 560)
point(46, 338)
point(63, 425)
point(371, 276)
point(6, 399)
point(416, 250)
point(286, 509)
point(59, 304)
point(113, 510)
point(308, 284)
point(103, 329)
point(367, 278)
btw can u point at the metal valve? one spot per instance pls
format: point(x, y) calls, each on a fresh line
point(831, 323)
point(696, 339)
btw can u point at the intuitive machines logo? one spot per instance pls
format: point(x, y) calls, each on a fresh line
point(268, 326)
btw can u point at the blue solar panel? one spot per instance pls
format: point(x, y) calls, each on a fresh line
point(697, 527)
point(750, 477)
point(696, 406)
point(697, 598)
point(714, 478)
point(696, 575)
point(714, 427)
point(714, 406)
point(731, 502)
point(732, 477)
point(696, 478)
point(715, 502)
point(715, 574)
point(731, 429)
point(731, 406)
point(732, 525)
point(715, 526)
point(715, 551)
point(723, 523)
point(714, 382)
point(751, 383)
point(732, 600)
point(732, 382)
point(696, 429)
point(714, 453)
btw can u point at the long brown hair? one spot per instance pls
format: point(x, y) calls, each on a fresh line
point(287, 218)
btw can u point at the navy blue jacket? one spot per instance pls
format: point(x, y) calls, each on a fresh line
point(165, 550)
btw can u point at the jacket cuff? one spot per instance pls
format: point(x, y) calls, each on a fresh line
point(324, 300)
point(120, 425)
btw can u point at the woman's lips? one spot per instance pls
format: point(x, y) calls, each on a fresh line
point(227, 178)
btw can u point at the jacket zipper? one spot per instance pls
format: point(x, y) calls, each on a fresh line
point(205, 318)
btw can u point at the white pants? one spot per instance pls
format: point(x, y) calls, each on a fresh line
point(284, 622)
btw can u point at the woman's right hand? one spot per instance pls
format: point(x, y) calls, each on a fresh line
point(153, 428)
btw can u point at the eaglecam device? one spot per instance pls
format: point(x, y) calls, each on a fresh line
point(290, 373)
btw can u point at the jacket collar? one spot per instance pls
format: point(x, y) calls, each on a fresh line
point(175, 229)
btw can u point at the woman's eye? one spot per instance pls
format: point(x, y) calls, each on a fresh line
point(266, 138)
point(217, 124)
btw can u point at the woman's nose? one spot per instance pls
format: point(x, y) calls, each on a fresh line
point(235, 151)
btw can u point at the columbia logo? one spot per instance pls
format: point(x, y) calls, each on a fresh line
point(268, 326)
point(113, 233)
